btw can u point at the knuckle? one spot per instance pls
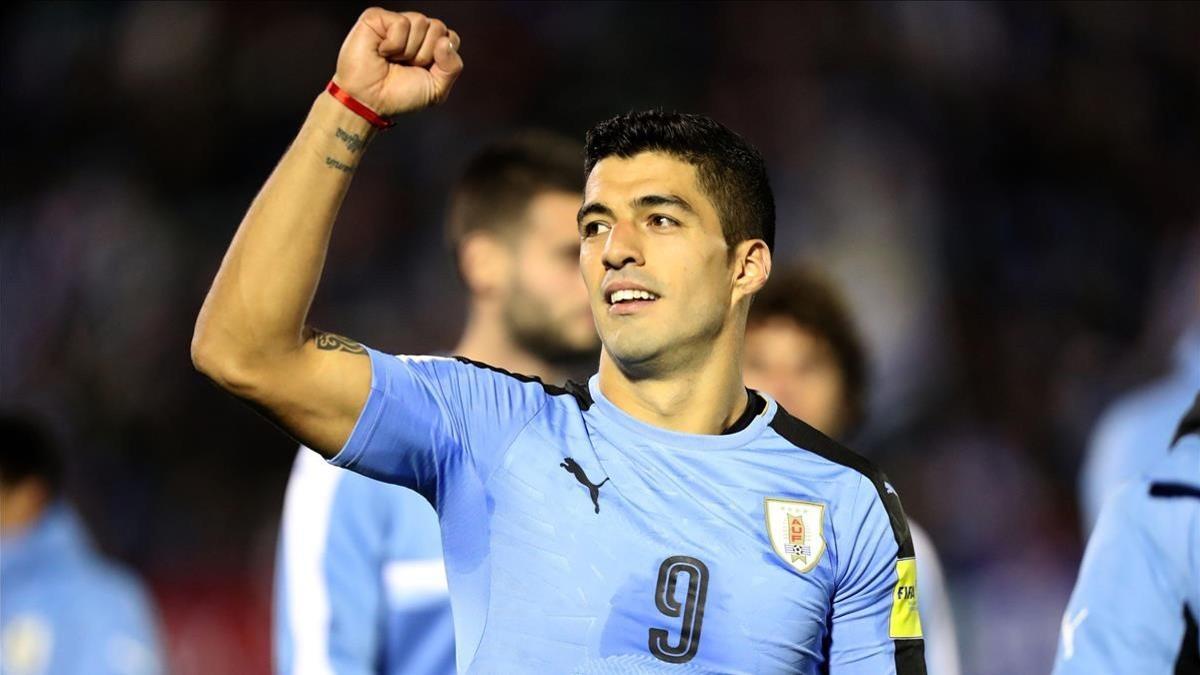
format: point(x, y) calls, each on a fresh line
point(372, 12)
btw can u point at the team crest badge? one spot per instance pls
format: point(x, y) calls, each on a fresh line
point(797, 531)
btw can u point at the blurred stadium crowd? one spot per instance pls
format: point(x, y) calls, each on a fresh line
point(1007, 193)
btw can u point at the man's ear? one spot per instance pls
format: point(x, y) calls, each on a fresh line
point(751, 267)
point(485, 262)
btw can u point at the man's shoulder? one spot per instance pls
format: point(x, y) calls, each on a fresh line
point(1146, 415)
point(853, 468)
point(797, 435)
point(570, 392)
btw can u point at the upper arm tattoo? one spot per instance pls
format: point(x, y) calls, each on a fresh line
point(332, 342)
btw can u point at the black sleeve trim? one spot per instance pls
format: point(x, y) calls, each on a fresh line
point(1190, 424)
point(910, 657)
point(578, 391)
point(1188, 662)
point(805, 437)
point(1174, 490)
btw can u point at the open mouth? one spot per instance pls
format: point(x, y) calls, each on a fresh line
point(630, 295)
point(629, 301)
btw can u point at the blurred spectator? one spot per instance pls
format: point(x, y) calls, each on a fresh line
point(802, 348)
point(66, 610)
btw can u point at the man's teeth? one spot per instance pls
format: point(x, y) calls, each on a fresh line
point(631, 294)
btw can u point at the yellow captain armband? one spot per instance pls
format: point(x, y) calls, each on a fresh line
point(906, 621)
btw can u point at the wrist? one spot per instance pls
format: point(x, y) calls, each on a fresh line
point(334, 132)
point(331, 115)
point(358, 107)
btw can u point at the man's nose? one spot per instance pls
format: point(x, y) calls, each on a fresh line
point(624, 247)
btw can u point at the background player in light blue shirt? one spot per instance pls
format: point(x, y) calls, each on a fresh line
point(360, 586)
point(1135, 431)
point(1137, 600)
point(803, 348)
point(661, 516)
point(64, 609)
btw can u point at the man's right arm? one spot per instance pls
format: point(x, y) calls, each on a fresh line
point(251, 336)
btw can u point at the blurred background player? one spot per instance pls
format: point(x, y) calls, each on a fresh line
point(1137, 599)
point(64, 609)
point(369, 596)
point(1135, 431)
point(803, 348)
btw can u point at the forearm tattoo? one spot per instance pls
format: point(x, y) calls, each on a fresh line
point(332, 342)
point(329, 161)
point(353, 142)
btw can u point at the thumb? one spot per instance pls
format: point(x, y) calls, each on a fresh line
point(447, 66)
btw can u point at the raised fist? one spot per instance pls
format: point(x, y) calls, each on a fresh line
point(397, 62)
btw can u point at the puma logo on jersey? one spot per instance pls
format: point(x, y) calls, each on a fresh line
point(577, 471)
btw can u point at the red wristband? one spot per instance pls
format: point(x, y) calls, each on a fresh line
point(361, 110)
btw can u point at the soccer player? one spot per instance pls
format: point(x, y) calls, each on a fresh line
point(360, 586)
point(803, 348)
point(1137, 600)
point(1135, 431)
point(64, 609)
point(662, 514)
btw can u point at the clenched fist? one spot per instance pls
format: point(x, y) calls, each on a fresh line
point(397, 62)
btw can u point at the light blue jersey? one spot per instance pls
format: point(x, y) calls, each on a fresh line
point(1136, 602)
point(360, 588)
point(1135, 432)
point(64, 610)
point(579, 539)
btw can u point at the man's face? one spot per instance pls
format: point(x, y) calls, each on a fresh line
point(546, 307)
point(654, 260)
point(799, 369)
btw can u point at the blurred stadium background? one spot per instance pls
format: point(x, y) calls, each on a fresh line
point(1008, 192)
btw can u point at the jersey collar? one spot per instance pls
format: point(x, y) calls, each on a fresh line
point(678, 439)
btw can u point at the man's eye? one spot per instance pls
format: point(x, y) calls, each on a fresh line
point(663, 221)
point(593, 228)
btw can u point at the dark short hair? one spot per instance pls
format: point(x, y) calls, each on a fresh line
point(27, 451)
point(495, 188)
point(814, 303)
point(731, 172)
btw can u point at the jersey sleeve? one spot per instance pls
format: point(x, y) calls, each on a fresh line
point(328, 605)
point(875, 624)
point(1107, 463)
point(429, 419)
point(1125, 614)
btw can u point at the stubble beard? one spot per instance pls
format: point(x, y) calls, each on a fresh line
point(533, 327)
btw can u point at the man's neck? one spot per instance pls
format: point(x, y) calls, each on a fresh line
point(703, 400)
point(488, 342)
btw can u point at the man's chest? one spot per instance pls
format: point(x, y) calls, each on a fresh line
point(600, 553)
